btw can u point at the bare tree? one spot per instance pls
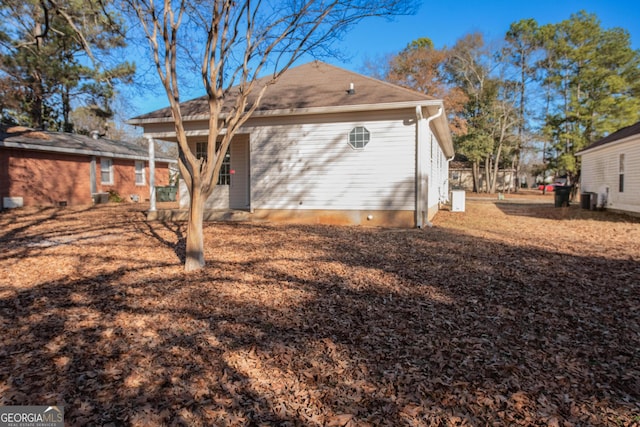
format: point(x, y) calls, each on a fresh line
point(504, 121)
point(236, 42)
point(420, 66)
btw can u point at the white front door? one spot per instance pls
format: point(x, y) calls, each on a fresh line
point(239, 194)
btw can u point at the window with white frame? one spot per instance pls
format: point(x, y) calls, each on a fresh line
point(224, 177)
point(106, 171)
point(140, 178)
point(201, 150)
point(359, 137)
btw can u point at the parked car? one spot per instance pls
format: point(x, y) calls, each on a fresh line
point(552, 187)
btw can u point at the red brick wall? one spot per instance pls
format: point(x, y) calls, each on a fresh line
point(124, 179)
point(45, 179)
point(4, 173)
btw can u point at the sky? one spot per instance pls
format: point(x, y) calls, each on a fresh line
point(444, 22)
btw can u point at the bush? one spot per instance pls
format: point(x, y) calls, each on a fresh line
point(114, 196)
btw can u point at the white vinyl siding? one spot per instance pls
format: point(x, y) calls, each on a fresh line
point(435, 172)
point(106, 171)
point(140, 174)
point(306, 163)
point(311, 166)
point(438, 172)
point(601, 171)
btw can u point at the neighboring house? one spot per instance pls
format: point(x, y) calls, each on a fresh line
point(461, 177)
point(40, 168)
point(328, 145)
point(611, 168)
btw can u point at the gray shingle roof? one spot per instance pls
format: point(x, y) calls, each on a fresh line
point(72, 143)
point(616, 136)
point(311, 85)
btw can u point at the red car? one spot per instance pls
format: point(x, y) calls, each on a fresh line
point(550, 187)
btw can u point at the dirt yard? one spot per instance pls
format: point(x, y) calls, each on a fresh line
point(513, 313)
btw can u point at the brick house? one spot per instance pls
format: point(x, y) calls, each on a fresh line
point(41, 168)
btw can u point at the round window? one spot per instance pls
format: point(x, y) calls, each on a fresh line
point(359, 137)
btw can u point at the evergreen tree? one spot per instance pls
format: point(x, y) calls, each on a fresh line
point(593, 77)
point(55, 54)
point(522, 46)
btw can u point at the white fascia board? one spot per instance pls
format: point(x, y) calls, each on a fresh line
point(51, 149)
point(172, 134)
point(609, 145)
point(442, 130)
point(301, 111)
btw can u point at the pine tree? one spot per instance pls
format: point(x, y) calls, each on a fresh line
point(53, 54)
point(593, 75)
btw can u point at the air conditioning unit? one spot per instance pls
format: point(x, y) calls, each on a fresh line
point(12, 202)
point(100, 198)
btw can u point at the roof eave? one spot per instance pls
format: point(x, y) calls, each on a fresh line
point(300, 111)
point(36, 147)
point(609, 144)
point(440, 125)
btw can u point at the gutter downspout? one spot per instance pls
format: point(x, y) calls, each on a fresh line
point(422, 191)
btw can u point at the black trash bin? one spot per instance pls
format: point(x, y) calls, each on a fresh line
point(562, 194)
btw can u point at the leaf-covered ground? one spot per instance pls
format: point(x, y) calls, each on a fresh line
point(513, 313)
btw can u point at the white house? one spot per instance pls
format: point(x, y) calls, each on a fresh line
point(611, 168)
point(328, 145)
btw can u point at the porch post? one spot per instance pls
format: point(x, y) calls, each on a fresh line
point(152, 175)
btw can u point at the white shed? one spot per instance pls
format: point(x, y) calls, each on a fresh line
point(611, 168)
point(328, 146)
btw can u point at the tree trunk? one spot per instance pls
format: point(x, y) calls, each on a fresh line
point(66, 109)
point(487, 175)
point(496, 164)
point(514, 184)
point(37, 87)
point(475, 172)
point(194, 259)
point(36, 102)
point(516, 156)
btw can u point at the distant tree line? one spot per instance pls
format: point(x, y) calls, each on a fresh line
point(554, 88)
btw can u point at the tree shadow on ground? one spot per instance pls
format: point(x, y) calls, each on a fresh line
point(573, 212)
point(311, 325)
point(177, 240)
